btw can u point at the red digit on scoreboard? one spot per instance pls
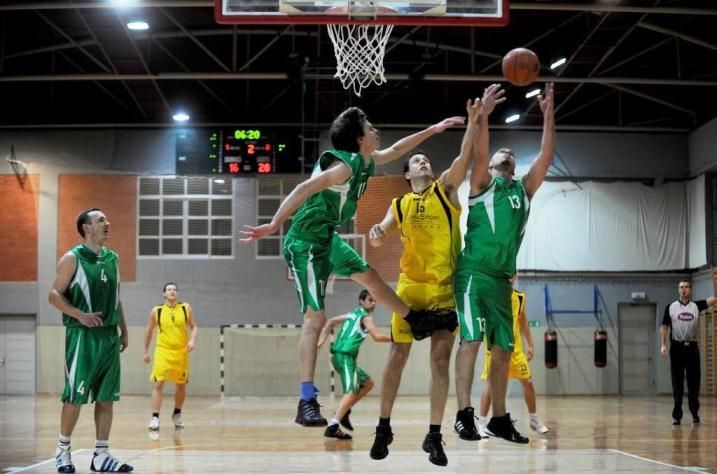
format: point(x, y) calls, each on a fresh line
point(264, 168)
point(233, 168)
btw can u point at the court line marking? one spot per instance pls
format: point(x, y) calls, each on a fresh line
point(13, 470)
point(666, 464)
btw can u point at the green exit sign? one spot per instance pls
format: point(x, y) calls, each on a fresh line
point(534, 324)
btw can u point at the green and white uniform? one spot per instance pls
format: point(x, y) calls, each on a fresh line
point(344, 351)
point(496, 223)
point(92, 357)
point(311, 247)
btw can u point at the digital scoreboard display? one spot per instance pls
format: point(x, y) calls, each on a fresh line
point(239, 151)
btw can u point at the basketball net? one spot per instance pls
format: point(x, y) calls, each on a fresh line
point(359, 49)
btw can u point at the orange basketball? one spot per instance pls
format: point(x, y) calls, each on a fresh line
point(521, 66)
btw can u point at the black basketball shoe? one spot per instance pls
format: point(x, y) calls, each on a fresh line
point(308, 413)
point(433, 445)
point(384, 437)
point(465, 425)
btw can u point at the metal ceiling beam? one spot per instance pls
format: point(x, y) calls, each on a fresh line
point(513, 6)
point(109, 61)
point(667, 31)
point(201, 46)
point(598, 8)
point(653, 99)
point(634, 56)
point(145, 66)
point(186, 68)
point(100, 5)
point(264, 49)
point(604, 57)
point(251, 76)
point(323, 126)
point(72, 40)
point(97, 83)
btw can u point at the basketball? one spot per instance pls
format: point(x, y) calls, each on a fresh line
point(521, 66)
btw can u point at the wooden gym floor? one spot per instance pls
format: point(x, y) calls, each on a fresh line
point(238, 435)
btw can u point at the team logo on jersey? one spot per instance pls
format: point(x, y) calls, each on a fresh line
point(685, 316)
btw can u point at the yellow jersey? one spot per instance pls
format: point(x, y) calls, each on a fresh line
point(172, 326)
point(431, 235)
point(518, 300)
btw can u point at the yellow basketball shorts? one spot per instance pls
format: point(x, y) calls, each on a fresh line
point(418, 296)
point(170, 365)
point(518, 368)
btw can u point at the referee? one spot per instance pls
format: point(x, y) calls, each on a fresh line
point(681, 318)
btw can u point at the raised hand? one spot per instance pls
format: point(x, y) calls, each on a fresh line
point(492, 96)
point(256, 233)
point(473, 108)
point(547, 101)
point(447, 123)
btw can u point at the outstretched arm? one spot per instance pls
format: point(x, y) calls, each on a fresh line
point(539, 168)
point(380, 232)
point(452, 178)
point(337, 173)
point(377, 335)
point(480, 176)
point(406, 144)
point(326, 330)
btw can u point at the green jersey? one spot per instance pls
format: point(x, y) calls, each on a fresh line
point(322, 212)
point(496, 224)
point(351, 334)
point(94, 286)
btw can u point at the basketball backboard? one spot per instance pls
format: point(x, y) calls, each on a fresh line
point(396, 12)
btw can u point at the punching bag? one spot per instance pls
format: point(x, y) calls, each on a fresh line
point(600, 348)
point(551, 349)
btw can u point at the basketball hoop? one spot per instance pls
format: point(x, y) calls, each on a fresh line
point(359, 48)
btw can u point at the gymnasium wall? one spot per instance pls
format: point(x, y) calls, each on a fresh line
point(77, 169)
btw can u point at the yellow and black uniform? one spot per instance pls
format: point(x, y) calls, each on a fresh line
point(431, 236)
point(171, 357)
point(518, 368)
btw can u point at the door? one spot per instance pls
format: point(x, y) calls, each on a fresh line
point(17, 354)
point(637, 348)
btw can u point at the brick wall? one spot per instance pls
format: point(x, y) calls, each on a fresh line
point(116, 195)
point(18, 221)
point(372, 209)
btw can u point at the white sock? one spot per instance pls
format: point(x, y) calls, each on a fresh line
point(483, 419)
point(101, 445)
point(333, 422)
point(63, 441)
point(533, 416)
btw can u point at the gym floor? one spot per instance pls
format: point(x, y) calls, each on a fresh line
point(588, 434)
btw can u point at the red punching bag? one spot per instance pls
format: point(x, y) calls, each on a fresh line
point(551, 349)
point(600, 348)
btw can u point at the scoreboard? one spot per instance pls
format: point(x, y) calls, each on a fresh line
point(238, 151)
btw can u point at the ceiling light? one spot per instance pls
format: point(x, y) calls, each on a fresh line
point(532, 93)
point(558, 63)
point(180, 117)
point(124, 3)
point(219, 181)
point(512, 118)
point(138, 25)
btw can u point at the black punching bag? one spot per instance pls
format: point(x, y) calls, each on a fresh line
point(600, 348)
point(551, 349)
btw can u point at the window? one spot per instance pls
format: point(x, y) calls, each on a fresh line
point(185, 217)
point(271, 191)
